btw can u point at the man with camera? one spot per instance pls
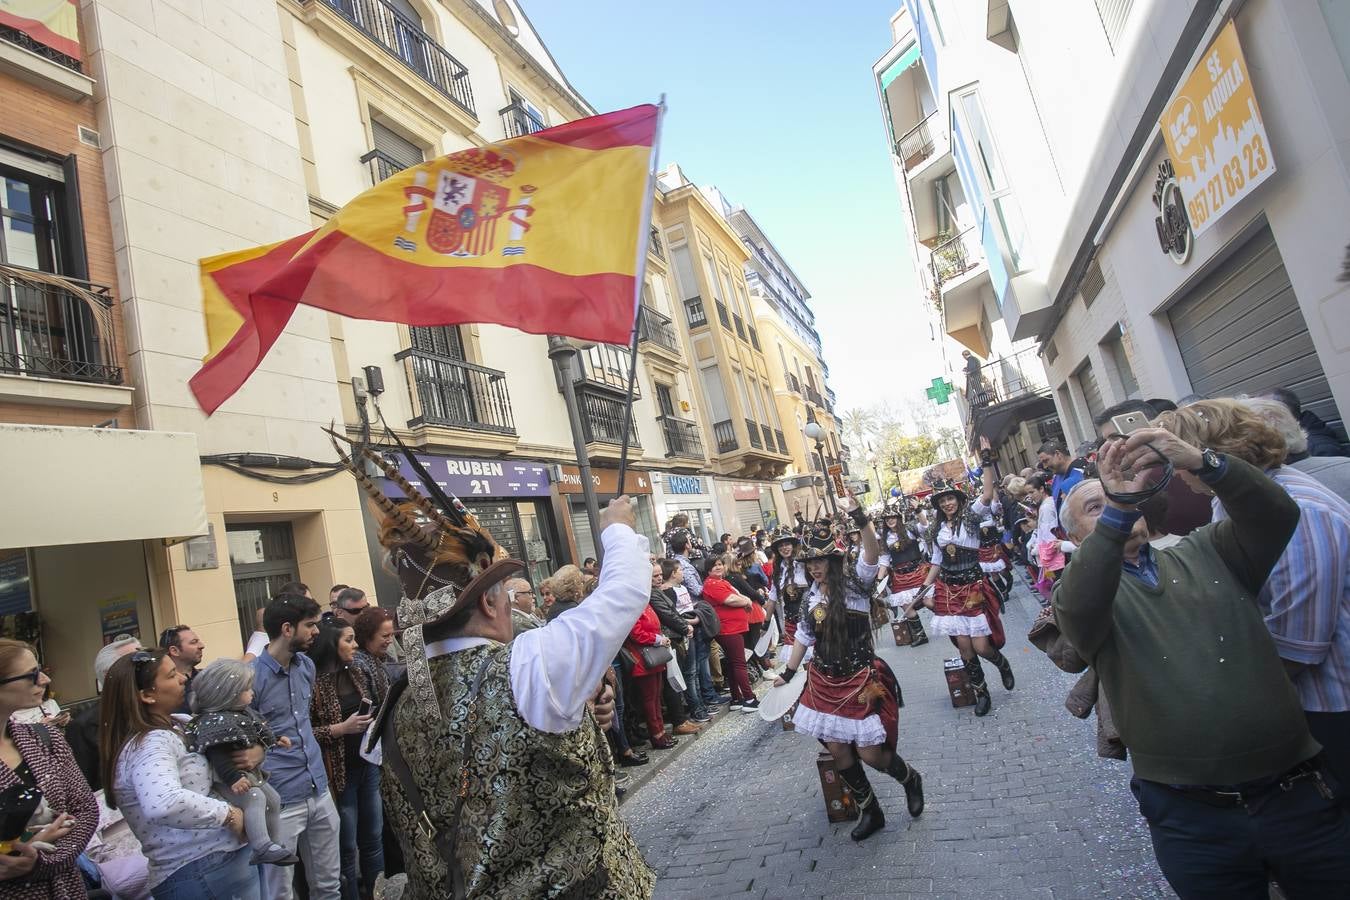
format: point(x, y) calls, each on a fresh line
point(1225, 771)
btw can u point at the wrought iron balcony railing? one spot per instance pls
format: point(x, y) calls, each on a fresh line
point(654, 243)
point(814, 396)
point(694, 311)
point(722, 315)
point(19, 38)
point(724, 433)
point(382, 165)
point(518, 121)
point(782, 444)
point(917, 144)
point(52, 326)
point(768, 440)
point(753, 431)
point(754, 336)
point(404, 39)
point(602, 419)
point(657, 328)
point(682, 437)
point(459, 394)
point(740, 325)
point(1007, 378)
point(794, 383)
point(956, 256)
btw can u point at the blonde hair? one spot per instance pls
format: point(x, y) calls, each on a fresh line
point(568, 584)
point(10, 651)
point(1016, 486)
point(1227, 426)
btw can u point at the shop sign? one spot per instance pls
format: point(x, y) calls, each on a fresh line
point(1214, 134)
point(745, 492)
point(606, 481)
point(1174, 226)
point(684, 484)
point(836, 473)
point(468, 478)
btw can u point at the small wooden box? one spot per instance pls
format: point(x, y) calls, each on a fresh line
point(958, 682)
point(839, 803)
point(901, 631)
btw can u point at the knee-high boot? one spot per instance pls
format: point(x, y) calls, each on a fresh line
point(983, 703)
point(910, 780)
point(870, 817)
point(917, 636)
point(1004, 669)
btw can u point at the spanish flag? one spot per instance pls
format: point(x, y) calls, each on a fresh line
point(545, 233)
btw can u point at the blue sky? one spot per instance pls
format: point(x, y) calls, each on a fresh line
point(774, 103)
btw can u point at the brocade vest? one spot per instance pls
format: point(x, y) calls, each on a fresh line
point(540, 818)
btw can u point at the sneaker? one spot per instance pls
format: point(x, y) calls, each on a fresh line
point(275, 855)
point(701, 717)
point(749, 706)
point(736, 704)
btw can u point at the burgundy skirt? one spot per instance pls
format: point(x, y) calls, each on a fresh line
point(970, 600)
point(906, 581)
point(841, 709)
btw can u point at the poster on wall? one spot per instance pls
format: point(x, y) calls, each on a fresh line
point(118, 615)
point(1214, 133)
point(15, 587)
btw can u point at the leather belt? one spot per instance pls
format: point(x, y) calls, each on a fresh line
point(1239, 795)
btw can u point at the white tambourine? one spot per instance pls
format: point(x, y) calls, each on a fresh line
point(774, 704)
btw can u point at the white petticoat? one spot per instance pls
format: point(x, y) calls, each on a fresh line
point(902, 598)
point(823, 726)
point(968, 626)
point(997, 565)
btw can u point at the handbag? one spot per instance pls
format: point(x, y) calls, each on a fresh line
point(654, 656)
point(707, 619)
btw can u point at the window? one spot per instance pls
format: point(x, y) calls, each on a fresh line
point(712, 278)
point(443, 340)
point(1007, 213)
point(686, 282)
point(1114, 346)
point(262, 558)
point(664, 402)
point(398, 151)
point(28, 221)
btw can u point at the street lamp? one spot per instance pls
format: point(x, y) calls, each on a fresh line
point(876, 473)
point(814, 432)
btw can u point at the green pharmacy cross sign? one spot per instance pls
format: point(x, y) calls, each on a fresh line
point(940, 391)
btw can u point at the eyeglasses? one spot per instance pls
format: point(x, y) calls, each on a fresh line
point(32, 676)
point(169, 636)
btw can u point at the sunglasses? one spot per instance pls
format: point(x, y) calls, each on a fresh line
point(32, 676)
point(354, 610)
point(142, 659)
point(169, 636)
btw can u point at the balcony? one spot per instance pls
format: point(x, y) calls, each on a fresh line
point(404, 39)
point(654, 244)
point(606, 366)
point(683, 440)
point(382, 165)
point(602, 420)
point(695, 313)
point(740, 325)
point(754, 336)
point(518, 121)
point(768, 440)
point(917, 144)
point(753, 431)
point(794, 383)
point(955, 256)
point(453, 393)
point(814, 396)
point(722, 315)
point(724, 433)
point(782, 444)
point(56, 327)
point(1007, 378)
point(657, 329)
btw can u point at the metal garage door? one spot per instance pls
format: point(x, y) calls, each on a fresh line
point(1091, 392)
point(1240, 330)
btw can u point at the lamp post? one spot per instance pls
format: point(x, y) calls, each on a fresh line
point(817, 434)
point(876, 473)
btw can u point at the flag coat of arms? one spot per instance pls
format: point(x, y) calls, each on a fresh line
point(545, 233)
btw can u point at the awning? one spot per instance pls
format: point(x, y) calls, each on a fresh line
point(972, 337)
point(894, 70)
point(87, 485)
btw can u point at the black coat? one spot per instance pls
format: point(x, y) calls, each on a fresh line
point(672, 623)
point(1322, 441)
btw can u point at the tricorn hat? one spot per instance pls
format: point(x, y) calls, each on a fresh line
point(745, 547)
point(820, 542)
point(942, 492)
point(780, 534)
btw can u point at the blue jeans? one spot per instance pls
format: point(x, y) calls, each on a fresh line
point(693, 697)
point(702, 649)
point(1299, 837)
point(362, 829)
point(223, 875)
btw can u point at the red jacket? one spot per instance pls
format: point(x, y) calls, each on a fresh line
point(645, 631)
point(734, 619)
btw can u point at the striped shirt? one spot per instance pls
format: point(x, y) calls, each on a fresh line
point(1306, 600)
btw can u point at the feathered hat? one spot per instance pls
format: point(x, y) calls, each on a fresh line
point(941, 491)
point(780, 534)
point(443, 559)
point(820, 542)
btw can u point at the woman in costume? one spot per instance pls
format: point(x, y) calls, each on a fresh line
point(904, 566)
point(964, 604)
point(993, 556)
point(787, 580)
point(851, 702)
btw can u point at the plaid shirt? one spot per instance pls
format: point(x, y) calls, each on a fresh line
point(689, 575)
point(1306, 600)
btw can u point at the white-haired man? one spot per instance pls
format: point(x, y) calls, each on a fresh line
point(82, 732)
point(1225, 770)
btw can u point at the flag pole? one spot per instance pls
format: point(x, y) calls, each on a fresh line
point(644, 239)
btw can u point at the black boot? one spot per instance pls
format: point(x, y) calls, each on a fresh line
point(977, 684)
point(870, 817)
point(911, 780)
point(1004, 670)
point(917, 636)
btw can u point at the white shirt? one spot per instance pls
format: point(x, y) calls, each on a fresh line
point(798, 576)
point(161, 790)
point(684, 603)
point(256, 642)
point(968, 537)
point(867, 574)
point(1046, 523)
point(557, 668)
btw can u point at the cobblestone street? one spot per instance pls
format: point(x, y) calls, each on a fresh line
point(1018, 803)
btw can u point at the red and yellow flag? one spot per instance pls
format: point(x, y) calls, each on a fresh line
point(544, 233)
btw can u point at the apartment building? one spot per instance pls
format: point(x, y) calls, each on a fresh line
point(748, 452)
point(91, 500)
point(1128, 281)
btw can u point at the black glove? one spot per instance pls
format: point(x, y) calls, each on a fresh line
point(787, 675)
